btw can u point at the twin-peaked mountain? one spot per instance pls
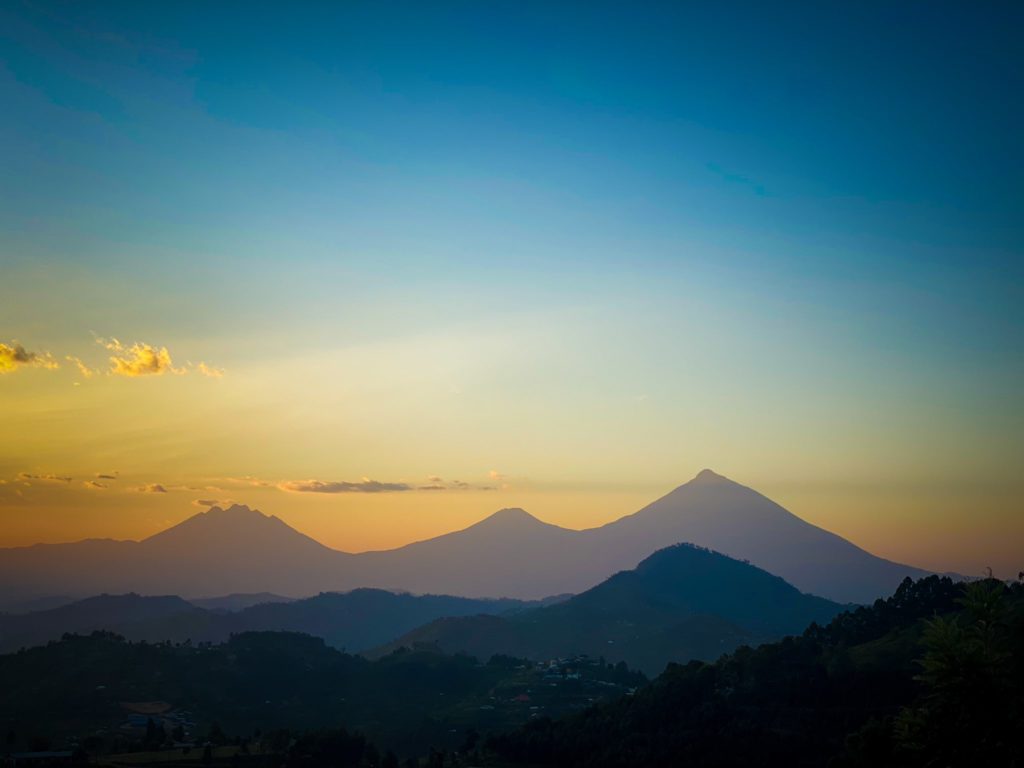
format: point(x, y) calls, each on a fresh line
point(509, 554)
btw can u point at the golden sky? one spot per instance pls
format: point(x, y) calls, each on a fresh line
point(370, 448)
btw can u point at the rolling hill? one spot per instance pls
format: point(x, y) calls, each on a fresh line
point(356, 620)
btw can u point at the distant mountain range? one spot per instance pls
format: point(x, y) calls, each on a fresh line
point(509, 554)
point(352, 621)
point(681, 603)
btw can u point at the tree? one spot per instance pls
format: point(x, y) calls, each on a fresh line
point(962, 718)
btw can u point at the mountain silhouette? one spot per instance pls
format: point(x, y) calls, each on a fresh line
point(716, 512)
point(681, 603)
point(508, 554)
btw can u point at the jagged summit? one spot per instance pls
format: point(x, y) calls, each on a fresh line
point(236, 526)
point(237, 510)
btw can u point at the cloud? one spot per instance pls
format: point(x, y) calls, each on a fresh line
point(44, 478)
point(366, 485)
point(213, 373)
point(100, 476)
point(93, 485)
point(84, 369)
point(139, 359)
point(16, 356)
point(212, 502)
point(151, 488)
point(247, 480)
point(495, 475)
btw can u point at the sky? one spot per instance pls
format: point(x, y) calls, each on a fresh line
point(381, 269)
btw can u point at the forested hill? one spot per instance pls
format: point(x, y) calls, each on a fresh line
point(933, 675)
point(682, 602)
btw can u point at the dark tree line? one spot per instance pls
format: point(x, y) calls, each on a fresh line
point(933, 676)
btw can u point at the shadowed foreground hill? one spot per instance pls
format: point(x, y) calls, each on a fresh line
point(355, 620)
point(889, 685)
point(681, 603)
point(509, 554)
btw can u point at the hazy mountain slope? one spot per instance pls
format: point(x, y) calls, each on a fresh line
point(238, 601)
point(716, 512)
point(219, 550)
point(509, 554)
point(355, 620)
point(109, 612)
point(682, 602)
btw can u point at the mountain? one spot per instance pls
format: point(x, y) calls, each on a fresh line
point(219, 550)
point(716, 512)
point(356, 620)
point(681, 603)
point(509, 554)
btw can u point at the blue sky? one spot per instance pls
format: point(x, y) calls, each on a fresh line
point(774, 226)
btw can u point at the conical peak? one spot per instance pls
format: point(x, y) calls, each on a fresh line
point(709, 476)
point(512, 514)
point(510, 518)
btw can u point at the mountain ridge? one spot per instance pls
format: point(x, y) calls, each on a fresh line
point(509, 553)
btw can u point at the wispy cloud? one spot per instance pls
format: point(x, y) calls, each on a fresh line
point(212, 502)
point(15, 356)
point(151, 488)
point(366, 485)
point(207, 370)
point(101, 476)
point(93, 485)
point(84, 369)
point(44, 478)
point(439, 484)
point(255, 482)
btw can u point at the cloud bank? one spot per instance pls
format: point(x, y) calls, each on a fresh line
point(44, 478)
point(366, 485)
